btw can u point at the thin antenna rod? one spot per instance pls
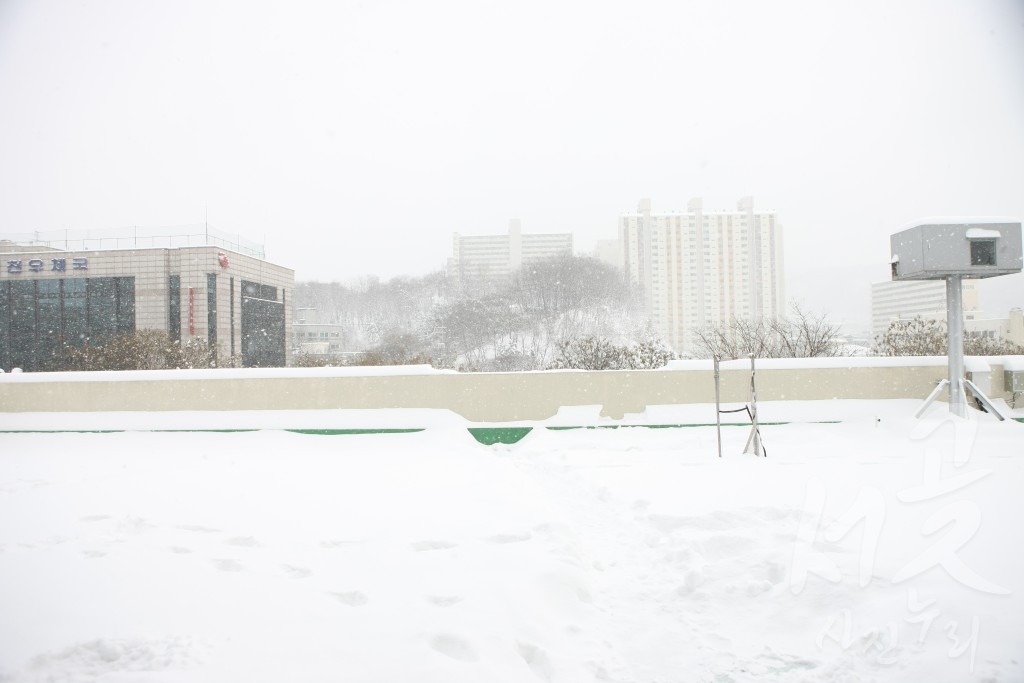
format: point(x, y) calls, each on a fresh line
point(718, 406)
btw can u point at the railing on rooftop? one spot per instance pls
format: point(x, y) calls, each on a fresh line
point(137, 237)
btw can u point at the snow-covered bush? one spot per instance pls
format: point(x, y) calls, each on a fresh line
point(395, 349)
point(595, 353)
point(920, 337)
point(649, 354)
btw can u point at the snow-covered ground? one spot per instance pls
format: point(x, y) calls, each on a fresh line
point(881, 548)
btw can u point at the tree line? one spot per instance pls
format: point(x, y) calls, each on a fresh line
point(567, 312)
point(536, 318)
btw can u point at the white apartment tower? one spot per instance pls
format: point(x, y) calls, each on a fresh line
point(485, 261)
point(701, 268)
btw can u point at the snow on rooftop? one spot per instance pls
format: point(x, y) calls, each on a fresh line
point(579, 555)
point(958, 220)
point(982, 233)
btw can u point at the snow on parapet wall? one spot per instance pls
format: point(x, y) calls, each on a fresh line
point(842, 362)
point(477, 397)
point(225, 373)
point(1011, 363)
point(975, 364)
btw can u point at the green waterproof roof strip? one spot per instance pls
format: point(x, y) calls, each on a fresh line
point(489, 436)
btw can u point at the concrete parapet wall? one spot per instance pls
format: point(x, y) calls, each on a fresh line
point(479, 397)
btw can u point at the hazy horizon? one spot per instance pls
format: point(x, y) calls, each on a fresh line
point(355, 138)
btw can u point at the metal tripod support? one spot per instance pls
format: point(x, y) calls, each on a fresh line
point(955, 350)
point(970, 386)
point(754, 445)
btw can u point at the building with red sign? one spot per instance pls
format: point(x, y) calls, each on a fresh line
point(64, 292)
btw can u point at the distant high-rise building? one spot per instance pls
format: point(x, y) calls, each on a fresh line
point(700, 268)
point(609, 251)
point(909, 299)
point(485, 261)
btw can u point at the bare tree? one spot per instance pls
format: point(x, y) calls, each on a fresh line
point(800, 335)
point(804, 335)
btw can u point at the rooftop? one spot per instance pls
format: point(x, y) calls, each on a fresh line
point(135, 237)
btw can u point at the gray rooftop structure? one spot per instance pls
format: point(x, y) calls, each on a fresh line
point(935, 249)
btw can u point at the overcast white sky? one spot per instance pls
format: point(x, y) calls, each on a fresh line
point(355, 137)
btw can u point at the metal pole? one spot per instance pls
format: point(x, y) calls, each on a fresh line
point(955, 344)
point(753, 446)
point(718, 407)
point(753, 408)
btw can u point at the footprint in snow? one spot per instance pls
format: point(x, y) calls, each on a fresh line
point(228, 565)
point(537, 659)
point(351, 598)
point(242, 542)
point(198, 528)
point(510, 538)
point(93, 518)
point(444, 600)
point(421, 546)
point(455, 647)
point(296, 572)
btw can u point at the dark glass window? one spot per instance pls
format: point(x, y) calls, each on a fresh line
point(76, 328)
point(258, 291)
point(49, 324)
point(5, 305)
point(231, 313)
point(983, 252)
point(263, 337)
point(102, 308)
point(23, 325)
point(211, 311)
point(40, 318)
point(125, 304)
point(174, 307)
